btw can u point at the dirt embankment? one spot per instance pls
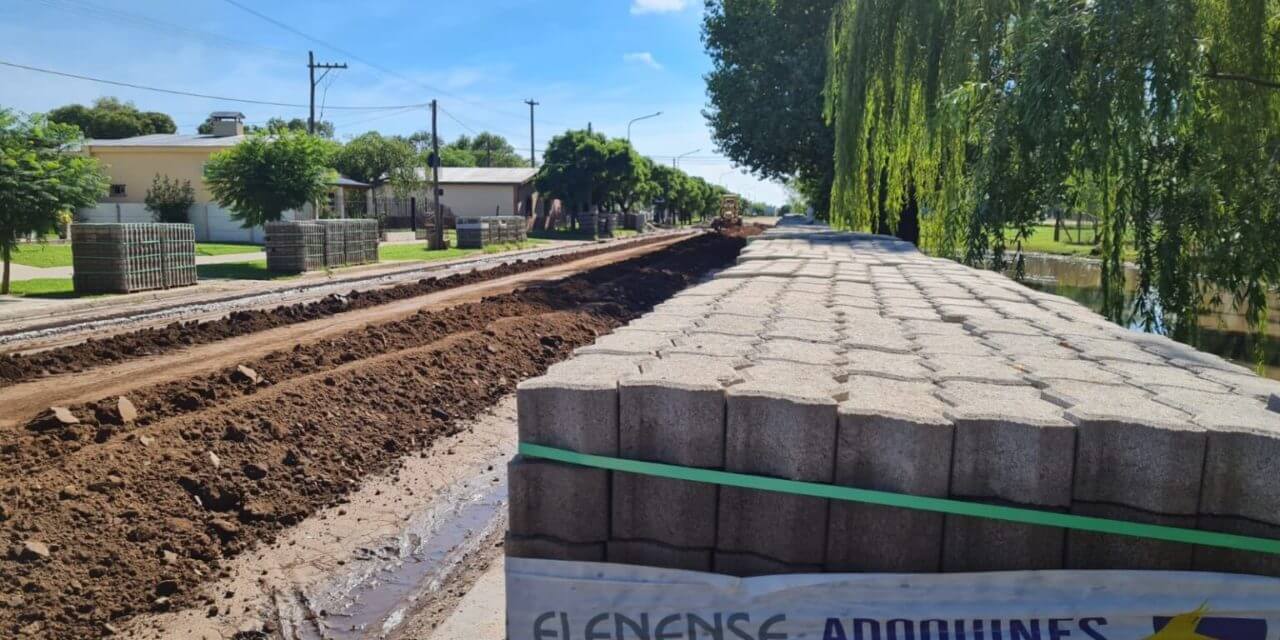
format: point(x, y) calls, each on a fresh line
point(17, 368)
point(106, 518)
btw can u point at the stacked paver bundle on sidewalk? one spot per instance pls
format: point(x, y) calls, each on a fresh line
point(124, 258)
point(854, 360)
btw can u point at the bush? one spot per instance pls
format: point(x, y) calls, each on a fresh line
point(169, 200)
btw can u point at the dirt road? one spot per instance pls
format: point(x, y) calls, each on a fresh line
point(149, 357)
point(109, 515)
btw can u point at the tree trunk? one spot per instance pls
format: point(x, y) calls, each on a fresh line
point(4, 284)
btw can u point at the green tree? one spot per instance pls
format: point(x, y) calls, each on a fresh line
point(264, 176)
point(41, 177)
point(169, 200)
point(989, 114)
point(769, 61)
point(110, 119)
point(585, 169)
point(571, 165)
point(669, 187)
point(491, 150)
point(324, 128)
point(370, 158)
point(453, 156)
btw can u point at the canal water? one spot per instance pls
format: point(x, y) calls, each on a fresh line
point(1224, 332)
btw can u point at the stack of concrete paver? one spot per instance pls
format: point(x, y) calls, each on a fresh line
point(125, 257)
point(350, 241)
point(478, 232)
point(854, 360)
point(295, 247)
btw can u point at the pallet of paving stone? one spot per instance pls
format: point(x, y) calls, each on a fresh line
point(335, 242)
point(361, 241)
point(473, 233)
point(126, 258)
point(295, 247)
point(179, 254)
point(854, 360)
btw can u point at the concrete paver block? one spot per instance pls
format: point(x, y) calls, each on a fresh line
point(879, 334)
point(651, 554)
point(979, 544)
point(630, 343)
point(799, 352)
point(1242, 464)
point(903, 446)
point(575, 405)
point(1244, 383)
point(783, 527)
point(1009, 444)
point(1042, 370)
point(548, 549)
point(660, 323)
point(1230, 560)
point(1131, 450)
point(565, 502)
point(929, 344)
point(1145, 375)
point(1107, 350)
point(672, 412)
point(918, 328)
point(898, 366)
point(746, 565)
point(730, 324)
point(713, 344)
point(803, 330)
point(781, 421)
point(1014, 346)
point(984, 326)
point(1089, 550)
point(984, 369)
point(674, 513)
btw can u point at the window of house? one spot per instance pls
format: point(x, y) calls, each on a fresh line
point(117, 191)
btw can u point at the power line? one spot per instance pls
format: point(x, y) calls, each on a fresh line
point(198, 95)
point(160, 26)
point(368, 63)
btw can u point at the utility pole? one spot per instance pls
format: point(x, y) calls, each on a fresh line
point(532, 104)
point(437, 234)
point(311, 69)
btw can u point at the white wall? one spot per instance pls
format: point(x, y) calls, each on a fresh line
point(479, 199)
point(213, 223)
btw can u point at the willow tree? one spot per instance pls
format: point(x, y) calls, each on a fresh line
point(1160, 117)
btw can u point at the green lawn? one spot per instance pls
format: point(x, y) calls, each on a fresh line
point(59, 255)
point(418, 251)
point(1069, 243)
point(43, 288)
point(251, 270)
point(225, 248)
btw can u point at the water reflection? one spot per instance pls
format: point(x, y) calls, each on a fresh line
point(1225, 333)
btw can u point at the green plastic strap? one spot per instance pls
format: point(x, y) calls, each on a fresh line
point(903, 501)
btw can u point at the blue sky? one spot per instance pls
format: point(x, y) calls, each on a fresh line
point(597, 61)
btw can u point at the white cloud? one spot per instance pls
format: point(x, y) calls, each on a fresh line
point(642, 57)
point(657, 6)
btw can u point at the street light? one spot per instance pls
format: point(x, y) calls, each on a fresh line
point(675, 162)
point(652, 115)
point(720, 179)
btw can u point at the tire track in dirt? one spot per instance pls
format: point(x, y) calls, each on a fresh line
point(107, 521)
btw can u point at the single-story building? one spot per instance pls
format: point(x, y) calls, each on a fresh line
point(479, 191)
point(133, 163)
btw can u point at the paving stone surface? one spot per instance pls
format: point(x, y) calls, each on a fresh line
point(852, 359)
